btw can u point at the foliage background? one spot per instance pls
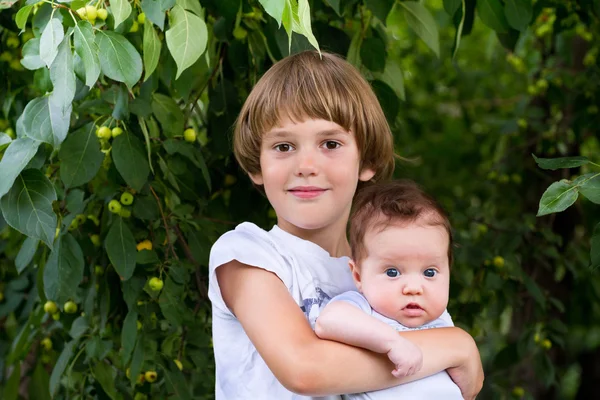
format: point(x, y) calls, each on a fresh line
point(522, 80)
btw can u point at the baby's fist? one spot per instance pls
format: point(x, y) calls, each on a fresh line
point(406, 356)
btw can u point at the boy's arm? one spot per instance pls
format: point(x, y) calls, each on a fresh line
point(343, 322)
point(308, 365)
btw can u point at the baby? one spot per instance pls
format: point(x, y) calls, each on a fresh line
point(401, 255)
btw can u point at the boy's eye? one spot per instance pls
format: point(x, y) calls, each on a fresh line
point(430, 272)
point(283, 147)
point(331, 145)
point(392, 272)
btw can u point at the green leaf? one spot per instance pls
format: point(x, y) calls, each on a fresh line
point(558, 197)
point(61, 365)
point(26, 253)
point(51, 38)
point(38, 387)
point(144, 129)
point(28, 206)
point(186, 38)
point(86, 48)
point(335, 4)
point(168, 114)
point(80, 156)
point(451, 6)
point(79, 327)
point(152, 47)
point(595, 247)
point(105, 375)
point(393, 76)
point(11, 390)
point(491, 13)
point(170, 301)
point(373, 54)
point(16, 157)
point(44, 121)
point(175, 381)
point(129, 158)
point(63, 76)
point(31, 55)
point(274, 8)
point(64, 270)
point(22, 16)
point(459, 22)
point(353, 56)
point(120, 60)
point(191, 153)
point(120, 247)
point(380, 8)
point(423, 23)
point(518, 13)
point(137, 361)
point(191, 5)
point(129, 335)
point(534, 290)
point(121, 9)
point(155, 11)
point(562, 162)
point(304, 26)
point(590, 188)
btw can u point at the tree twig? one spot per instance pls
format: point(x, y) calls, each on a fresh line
point(162, 214)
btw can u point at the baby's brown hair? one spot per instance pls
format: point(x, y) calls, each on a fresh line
point(378, 206)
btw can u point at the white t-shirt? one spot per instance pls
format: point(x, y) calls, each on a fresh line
point(311, 276)
point(437, 386)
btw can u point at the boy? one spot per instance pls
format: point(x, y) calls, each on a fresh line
point(401, 255)
point(308, 133)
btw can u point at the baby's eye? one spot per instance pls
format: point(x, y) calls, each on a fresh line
point(430, 272)
point(283, 147)
point(392, 272)
point(332, 145)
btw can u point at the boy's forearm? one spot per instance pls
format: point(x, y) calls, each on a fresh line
point(335, 370)
point(348, 324)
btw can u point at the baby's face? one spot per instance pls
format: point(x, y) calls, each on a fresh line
point(406, 275)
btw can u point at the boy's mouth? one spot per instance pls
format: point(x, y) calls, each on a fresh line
point(413, 306)
point(306, 192)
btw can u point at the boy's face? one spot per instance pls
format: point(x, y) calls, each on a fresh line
point(310, 171)
point(406, 275)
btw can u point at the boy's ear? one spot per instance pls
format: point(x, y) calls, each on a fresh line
point(366, 174)
point(257, 178)
point(355, 275)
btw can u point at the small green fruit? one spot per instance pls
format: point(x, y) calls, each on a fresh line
point(47, 344)
point(125, 213)
point(116, 131)
point(179, 364)
point(74, 225)
point(156, 284)
point(126, 198)
point(139, 325)
point(546, 344)
point(240, 33)
point(141, 18)
point(56, 316)
point(190, 135)
point(98, 270)
point(134, 27)
point(151, 376)
point(70, 307)
point(114, 206)
point(104, 132)
point(13, 42)
point(50, 307)
point(102, 14)
point(91, 12)
point(498, 262)
point(96, 240)
point(518, 391)
point(81, 218)
point(82, 12)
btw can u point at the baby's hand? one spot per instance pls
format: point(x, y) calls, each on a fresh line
point(406, 356)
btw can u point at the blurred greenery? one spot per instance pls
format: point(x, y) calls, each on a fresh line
point(517, 82)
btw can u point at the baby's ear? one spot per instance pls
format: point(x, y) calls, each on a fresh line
point(355, 275)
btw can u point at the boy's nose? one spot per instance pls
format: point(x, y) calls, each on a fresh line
point(306, 164)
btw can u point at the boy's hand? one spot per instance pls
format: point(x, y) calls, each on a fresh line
point(406, 356)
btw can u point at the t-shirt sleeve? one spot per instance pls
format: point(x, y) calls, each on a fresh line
point(248, 245)
point(354, 298)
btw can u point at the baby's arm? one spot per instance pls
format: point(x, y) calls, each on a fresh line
point(307, 365)
point(347, 323)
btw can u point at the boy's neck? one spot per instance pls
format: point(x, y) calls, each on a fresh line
point(332, 238)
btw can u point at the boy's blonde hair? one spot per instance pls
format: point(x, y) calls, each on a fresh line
point(306, 85)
